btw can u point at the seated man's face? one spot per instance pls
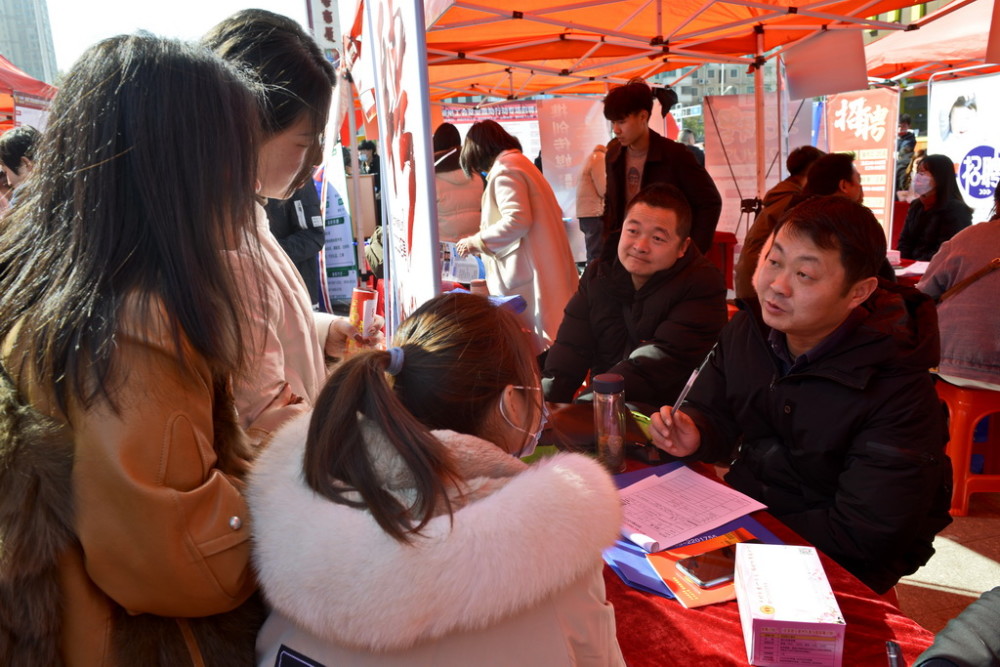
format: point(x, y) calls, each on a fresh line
point(801, 290)
point(649, 242)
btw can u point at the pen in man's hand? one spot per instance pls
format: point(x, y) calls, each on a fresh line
point(892, 653)
point(690, 382)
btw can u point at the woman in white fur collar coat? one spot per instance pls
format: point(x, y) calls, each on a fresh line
point(395, 525)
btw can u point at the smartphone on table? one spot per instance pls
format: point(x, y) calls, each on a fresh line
point(711, 568)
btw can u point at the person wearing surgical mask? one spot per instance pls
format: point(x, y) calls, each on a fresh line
point(405, 492)
point(937, 214)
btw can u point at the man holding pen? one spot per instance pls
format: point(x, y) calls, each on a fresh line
point(819, 397)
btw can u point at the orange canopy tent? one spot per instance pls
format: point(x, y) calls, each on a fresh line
point(18, 87)
point(952, 38)
point(512, 49)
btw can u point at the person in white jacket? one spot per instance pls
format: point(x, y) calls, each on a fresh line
point(396, 525)
point(289, 340)
point(521, 238)
point(459, 195)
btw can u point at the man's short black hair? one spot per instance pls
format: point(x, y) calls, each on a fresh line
point(826, 173)
point(905, 118)
point(833, 222)
point(626, 100)
point(17, 143)
point(801, 158)
point(367, 145)
point(669, 197)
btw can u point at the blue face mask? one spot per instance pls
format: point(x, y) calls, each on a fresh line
point(529, 448)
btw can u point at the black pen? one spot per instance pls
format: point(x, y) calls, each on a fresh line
point(892, 653)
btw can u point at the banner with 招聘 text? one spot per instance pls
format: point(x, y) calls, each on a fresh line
point(863, 123)
point(958, 123)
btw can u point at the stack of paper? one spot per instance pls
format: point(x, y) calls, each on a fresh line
point(663, 511)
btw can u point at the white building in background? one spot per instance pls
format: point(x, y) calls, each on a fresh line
point(26, 37)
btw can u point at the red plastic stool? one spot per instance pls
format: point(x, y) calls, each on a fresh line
point(967, 406)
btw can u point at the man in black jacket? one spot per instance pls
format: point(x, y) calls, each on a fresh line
point(638, 157)
point(297, 225)
point(819, 396)
point(650, 311)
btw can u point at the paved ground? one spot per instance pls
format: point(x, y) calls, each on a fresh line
point(966, 564)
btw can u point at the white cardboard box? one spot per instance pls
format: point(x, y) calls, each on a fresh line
point(789, 615)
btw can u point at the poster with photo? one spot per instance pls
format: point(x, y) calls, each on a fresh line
point(962, 126)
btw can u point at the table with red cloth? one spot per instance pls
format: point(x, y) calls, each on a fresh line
point(656, 631)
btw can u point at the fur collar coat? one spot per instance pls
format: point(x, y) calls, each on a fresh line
point(521, 551)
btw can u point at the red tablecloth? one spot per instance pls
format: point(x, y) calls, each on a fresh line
point(656, 631)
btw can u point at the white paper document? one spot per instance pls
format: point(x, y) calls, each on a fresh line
point(915, 269)
point(661, 512)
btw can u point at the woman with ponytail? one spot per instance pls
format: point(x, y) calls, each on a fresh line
point(396, 525)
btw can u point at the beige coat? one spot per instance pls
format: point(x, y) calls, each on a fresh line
point(513, 579)
point(523, 243)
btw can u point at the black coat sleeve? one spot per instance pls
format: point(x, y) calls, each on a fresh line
point(657, 369)
point(300, 234)
point(572, 353)
point(706, 202)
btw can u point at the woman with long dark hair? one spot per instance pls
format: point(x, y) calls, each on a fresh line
point(939, 212)
point(396, 525)
point(123, 531)
point(521, 238)
point(290, 340)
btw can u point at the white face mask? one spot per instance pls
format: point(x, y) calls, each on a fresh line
point(363, 157)
point(529, 448)
point(923, 183)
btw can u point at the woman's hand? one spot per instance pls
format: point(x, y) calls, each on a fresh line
point(341, 330)
point(675, 434)
point(465, 247)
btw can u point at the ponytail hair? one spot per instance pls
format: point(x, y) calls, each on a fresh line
point(459, 353)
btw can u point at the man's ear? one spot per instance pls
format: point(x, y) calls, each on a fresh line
point(844, 186)
point(685, 244)
point(861, 290)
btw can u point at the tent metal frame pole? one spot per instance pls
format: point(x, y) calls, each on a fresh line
point(355, 199)
point(758, 93)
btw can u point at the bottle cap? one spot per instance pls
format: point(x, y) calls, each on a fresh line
point(608, 383)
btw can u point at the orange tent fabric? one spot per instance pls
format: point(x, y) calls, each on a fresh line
point(512, 49)
point(955, 36)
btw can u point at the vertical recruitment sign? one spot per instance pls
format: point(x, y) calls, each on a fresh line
point(864, 123)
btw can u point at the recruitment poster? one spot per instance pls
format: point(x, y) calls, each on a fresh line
point(962, 125)
point(569, 130)
point(864, 123)
point(520, 119)
point(394, 41)
point(731, 149)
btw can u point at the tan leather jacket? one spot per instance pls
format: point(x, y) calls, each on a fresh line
point(158, 527)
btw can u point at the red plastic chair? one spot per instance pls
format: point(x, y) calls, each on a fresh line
point(967, 406)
